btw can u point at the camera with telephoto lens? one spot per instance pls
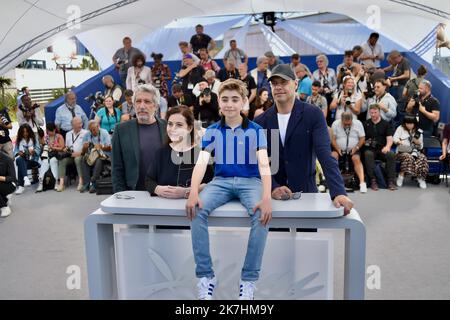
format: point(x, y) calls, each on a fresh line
point(325, 84)
point(348, 100)
point(97, 100)
point(45, 152)
point(4, 120)
point(344, 69)
point(416, 96)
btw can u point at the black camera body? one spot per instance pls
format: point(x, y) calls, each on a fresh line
point(418, 133)
point(372, 143)
point(205, 92)
point(345, 162)
point(97, 99)
point(344, 69)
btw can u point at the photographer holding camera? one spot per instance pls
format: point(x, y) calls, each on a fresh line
point(347, 99)
point(347, 68)
point(30, 114)
point(206, 108)
point(26, 152)
point(108, 116)
point(73, 147)
point(54, 143)
point(409, 141)
point(5, 141)
point(425, 107)
point(112, 89)
point(139, 73)
point(123, 57)
point(347, 140)
point(69, 110)
point(387, 103)
point(161, 74)
point(378, 147)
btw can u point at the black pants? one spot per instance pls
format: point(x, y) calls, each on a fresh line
point(6, 188)
point(96, 169)
point(369, 161)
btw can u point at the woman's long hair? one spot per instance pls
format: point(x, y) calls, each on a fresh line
point(20, 134)
point(259, 104)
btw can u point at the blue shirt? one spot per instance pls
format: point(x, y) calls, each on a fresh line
point(234, 150)
point(108, 122)
point(102, 138)
point(63, 117)
point(305, 86)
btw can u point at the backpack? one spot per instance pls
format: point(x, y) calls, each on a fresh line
point(49, 181)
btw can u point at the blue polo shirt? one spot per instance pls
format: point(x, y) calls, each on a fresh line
point(234, 150)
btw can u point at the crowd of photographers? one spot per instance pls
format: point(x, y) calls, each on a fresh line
point(373, 118)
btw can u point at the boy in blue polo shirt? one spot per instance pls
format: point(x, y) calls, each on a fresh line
point(242, 171)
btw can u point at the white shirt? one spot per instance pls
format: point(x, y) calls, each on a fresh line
point(356, 132)
point(75, 140)
point(283, 120)
point(368, 50)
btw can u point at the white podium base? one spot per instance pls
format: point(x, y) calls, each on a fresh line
point(160, 264)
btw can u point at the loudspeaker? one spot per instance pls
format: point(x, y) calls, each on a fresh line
point(269, 19)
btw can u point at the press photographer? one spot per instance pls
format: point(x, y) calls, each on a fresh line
point(347, 68)
point(347, 99)
point(5, 141)
point(347, 140)
point(30, 114)
point(409, 141)
point(387, 103)
point(69, 110)
point(425, 107)
point(378, 147)
point(206, 108)
point(112, 89)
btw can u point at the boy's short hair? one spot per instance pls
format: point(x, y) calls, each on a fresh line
point(375, 106)
point(234, 85)
point(128, 93)
point(316, 83)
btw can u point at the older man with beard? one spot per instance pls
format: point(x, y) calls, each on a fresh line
point(136, 141)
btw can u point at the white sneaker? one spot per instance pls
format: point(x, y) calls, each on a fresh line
point(9, 197)
point(26, 182)
point(400, 181)
point(20, 190)
point(246, 290)
point(205, 288)
point(363, 187)
point(422, 184)
point(5, 211)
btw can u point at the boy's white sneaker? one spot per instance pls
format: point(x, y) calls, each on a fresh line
point(206, 287)
point(26, 182)
point(246, 290)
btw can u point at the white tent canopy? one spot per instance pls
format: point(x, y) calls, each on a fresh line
point(27, 27)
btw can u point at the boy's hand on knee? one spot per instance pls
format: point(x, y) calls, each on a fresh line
point(191, 204)
point(265, 207)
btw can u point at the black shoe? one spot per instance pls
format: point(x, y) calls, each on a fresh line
point(92, 189)
point(84, 188)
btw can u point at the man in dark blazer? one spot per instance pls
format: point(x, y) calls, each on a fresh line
point(135, 141)
point(302, 136)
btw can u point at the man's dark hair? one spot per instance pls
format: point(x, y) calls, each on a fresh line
point(198, 26)
point(126, 38)
point(183, 44)
point(357, 48)
point(348, 53)
point(295, 56)
point(23, 89)
point(176, 88)
point(374, 35)
point(231, 41)
point(128, 93)
point(421, 71)
point(316, 83)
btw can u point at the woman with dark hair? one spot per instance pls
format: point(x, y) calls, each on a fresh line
point(139, 73)
point(53, 143)
point(409, 141)
point(108, 116)
point(161, 74)
point(262, 103)
point(8, 183)
point(26, 152)
point(169, 175)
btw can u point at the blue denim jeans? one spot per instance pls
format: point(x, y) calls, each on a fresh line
point(218, 192)
point(22, 167)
